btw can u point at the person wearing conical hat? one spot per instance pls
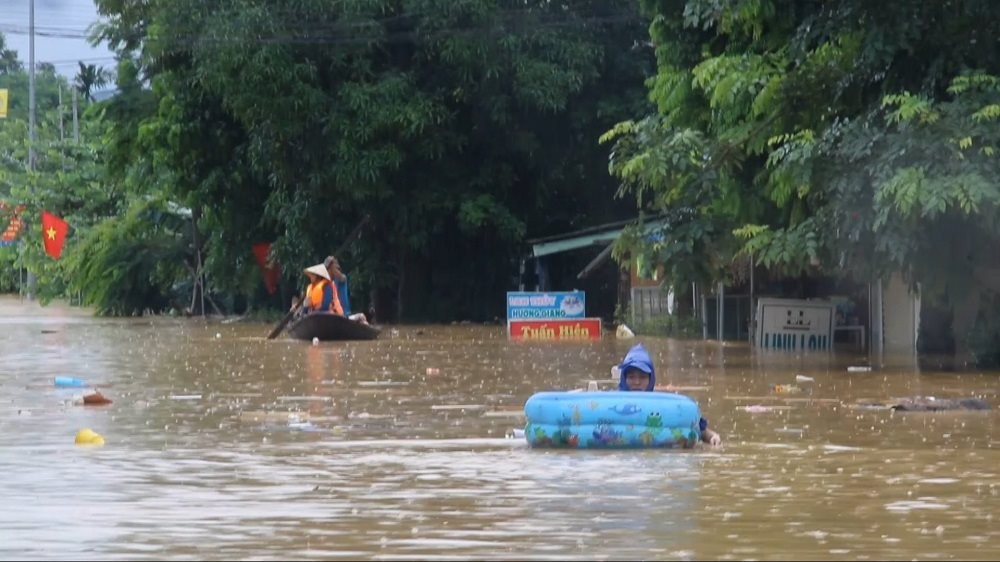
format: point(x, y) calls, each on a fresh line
point(321, 293)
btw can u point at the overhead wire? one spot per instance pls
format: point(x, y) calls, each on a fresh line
point(310, 31)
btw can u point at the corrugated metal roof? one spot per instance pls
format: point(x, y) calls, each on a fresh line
point(595, 235)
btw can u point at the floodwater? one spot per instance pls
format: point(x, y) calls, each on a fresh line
point(221, 444)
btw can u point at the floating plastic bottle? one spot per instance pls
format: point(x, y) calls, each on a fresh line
point(69, 382)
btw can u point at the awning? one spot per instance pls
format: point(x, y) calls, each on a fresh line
point(600, 235)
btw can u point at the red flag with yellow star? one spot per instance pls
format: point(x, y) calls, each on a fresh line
point(53, 233)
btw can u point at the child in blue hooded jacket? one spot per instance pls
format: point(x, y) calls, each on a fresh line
point(638, 374)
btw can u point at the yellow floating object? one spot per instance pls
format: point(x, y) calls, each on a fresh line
point(786, 388)
point(88, 437)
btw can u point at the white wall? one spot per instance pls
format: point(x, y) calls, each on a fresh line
point(901, 316)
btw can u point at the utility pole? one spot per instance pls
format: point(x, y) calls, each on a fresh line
point(62, 135)
point(31, 86)
point(76, 122)
point(32, 281)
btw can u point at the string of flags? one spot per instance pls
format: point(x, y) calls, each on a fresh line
point(14, 224)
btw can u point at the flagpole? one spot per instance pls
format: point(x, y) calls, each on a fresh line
point(31, 85)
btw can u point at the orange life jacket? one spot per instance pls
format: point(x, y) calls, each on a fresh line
point(314, 297)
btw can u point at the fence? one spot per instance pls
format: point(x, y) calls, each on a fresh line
point(648, 303)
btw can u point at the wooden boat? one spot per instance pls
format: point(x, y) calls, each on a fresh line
point(329, 326)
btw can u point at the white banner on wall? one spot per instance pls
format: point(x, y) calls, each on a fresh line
point(794, 325)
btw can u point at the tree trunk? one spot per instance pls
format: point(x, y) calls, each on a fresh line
point(198, 290)
point(624, 293)
point(401, 284)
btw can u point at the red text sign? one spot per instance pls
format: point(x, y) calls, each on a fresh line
point(568, 329)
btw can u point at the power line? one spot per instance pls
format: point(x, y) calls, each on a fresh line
point(317, 32)
point(82, 59)
point(12, 30)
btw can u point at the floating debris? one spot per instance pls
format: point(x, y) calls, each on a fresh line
point(88, 436)
point(783, 399)
point(869, 406)
point(367, 416)
point(859, 369)
point(69, 382)
point(759, 409)
point(95, 399)
point(791, 430)
point(265, 416)
point(458, 407)
point(672, 388)
point(786, 389)
point(624, 332)
point(504, 414)
point(302, 426)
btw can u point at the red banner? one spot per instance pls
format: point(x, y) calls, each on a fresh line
point(561, 329)
point(270, 273)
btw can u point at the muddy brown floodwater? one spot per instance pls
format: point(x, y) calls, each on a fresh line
point(222, 444)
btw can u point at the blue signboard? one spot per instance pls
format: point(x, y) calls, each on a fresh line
point(527, 306)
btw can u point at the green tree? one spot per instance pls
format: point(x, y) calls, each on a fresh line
point(66, 179)
point(460, 127)
point(89, 78)
point(787, 132)
point(8, 58)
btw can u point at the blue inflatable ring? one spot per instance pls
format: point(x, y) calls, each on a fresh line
point(611, 420)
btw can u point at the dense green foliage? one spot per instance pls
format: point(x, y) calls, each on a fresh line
point(461, 128)
point(828, 137)
point(67, 179)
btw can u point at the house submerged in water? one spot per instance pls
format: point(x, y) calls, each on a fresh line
point(881, 316)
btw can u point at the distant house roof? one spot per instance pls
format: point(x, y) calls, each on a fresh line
point(104, 94)
point(602, 234)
